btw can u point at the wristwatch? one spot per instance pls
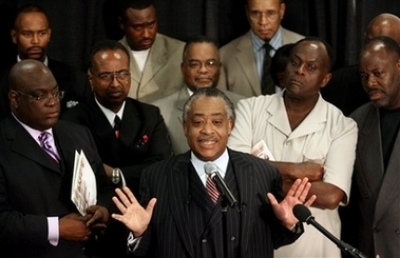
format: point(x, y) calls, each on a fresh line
point(116, 176)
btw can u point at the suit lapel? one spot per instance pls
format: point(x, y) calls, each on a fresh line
point(66, 146)
point(245, 58)
point(130, 123)
point(156, 59)
point(245, 183)
point(390, 184)
point(370, 152)
point(25, 145)
point(179, 201)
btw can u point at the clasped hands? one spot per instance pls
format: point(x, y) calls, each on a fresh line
point(75, 227)
point(137, 218)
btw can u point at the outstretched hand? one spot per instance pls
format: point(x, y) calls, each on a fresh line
point(296, 194)
point(134, 216)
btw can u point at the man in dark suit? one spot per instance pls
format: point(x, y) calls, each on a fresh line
point(376, 170)
point(345, 89)
point(32, 34)
point(37, 216)
point(186, 222)
point(125, 147)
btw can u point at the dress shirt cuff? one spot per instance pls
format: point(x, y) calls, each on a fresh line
point(133, 242)
point(52, 235)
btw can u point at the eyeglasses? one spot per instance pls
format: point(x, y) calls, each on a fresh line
point(257, 16)
point(109, 77)
point(57, 96)
point(196, 64)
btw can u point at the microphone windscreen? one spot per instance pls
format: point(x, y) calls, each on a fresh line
point(301, 212)
point(210, 167)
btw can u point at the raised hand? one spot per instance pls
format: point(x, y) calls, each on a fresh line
point(296, 194)
point(134, 216)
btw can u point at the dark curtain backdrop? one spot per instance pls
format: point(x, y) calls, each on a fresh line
point(78, 24)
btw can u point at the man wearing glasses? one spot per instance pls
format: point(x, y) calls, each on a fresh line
point(247, 59)
point(37, 217)
point(200, 68)
point(130, 135)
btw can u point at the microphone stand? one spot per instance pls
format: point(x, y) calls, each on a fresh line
point(342, 245)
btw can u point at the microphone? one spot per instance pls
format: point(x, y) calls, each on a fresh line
point(303, 214)
point(213, 171)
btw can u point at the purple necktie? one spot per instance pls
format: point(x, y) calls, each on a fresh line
point(212, 189)
point(44, 143)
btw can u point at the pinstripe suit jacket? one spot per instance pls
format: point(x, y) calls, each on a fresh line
point(171, 229)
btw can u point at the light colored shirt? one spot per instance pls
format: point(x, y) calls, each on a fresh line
point(259, 50)
point(110, 115)
point(141, 58)
point(221, 163)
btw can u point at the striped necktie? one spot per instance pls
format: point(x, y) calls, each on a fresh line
point(212, 190)
point(267, 83)
point(45, 144)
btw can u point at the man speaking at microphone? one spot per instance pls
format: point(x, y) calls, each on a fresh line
point(191, 217)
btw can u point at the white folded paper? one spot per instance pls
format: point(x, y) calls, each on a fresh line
point(260, 150)
point(83, 190)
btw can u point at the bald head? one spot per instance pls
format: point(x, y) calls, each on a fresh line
point(385, 24)
point(23, 73)
point(34, 95)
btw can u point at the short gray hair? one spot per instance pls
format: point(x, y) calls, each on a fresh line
point(209, 92)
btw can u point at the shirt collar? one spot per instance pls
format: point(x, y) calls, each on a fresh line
point(221, 163)
point(45, 62)
point(275, 42)
point(110, 115)
point(33, 132)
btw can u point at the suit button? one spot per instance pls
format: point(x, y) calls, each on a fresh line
point(377, 230)
point(366, 196)
point(233, 238)
point(288, 143)
point(397, 231)
point(204, 240)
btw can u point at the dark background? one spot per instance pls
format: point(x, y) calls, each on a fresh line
point(78, 24)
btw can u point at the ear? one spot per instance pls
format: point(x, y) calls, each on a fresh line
point(90, 79)
point(13, 34)
point(49, 32)
point(230, 126)
point(121, 23)
point(13, 97)
point(182, 67)
point(326, 79)
point(185, 128)
point(282, 10)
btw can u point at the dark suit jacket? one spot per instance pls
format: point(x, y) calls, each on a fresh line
point(69, 79)
point(181, 204)
point(33, 187)
point(143, 141)
point(378, 191)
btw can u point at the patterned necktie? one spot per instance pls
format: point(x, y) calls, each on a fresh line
point(212, 190)
point(267, 83)
point(44, 143)
point(117, 126)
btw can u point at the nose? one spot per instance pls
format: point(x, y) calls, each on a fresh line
point(114, 81)
point(207, 128)
point(146, 33)
point(263, 19)
point(370, 81)
point(300, 69)
point(35, 38)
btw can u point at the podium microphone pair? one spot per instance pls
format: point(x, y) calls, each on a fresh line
point(303, 214)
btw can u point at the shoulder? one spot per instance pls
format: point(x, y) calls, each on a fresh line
point(362, 112)
point(289, 36)
point(166, 101)
point(232, 45)
point(77, 113)
point(168, 42)
point(258, 102)
point(144, 109)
